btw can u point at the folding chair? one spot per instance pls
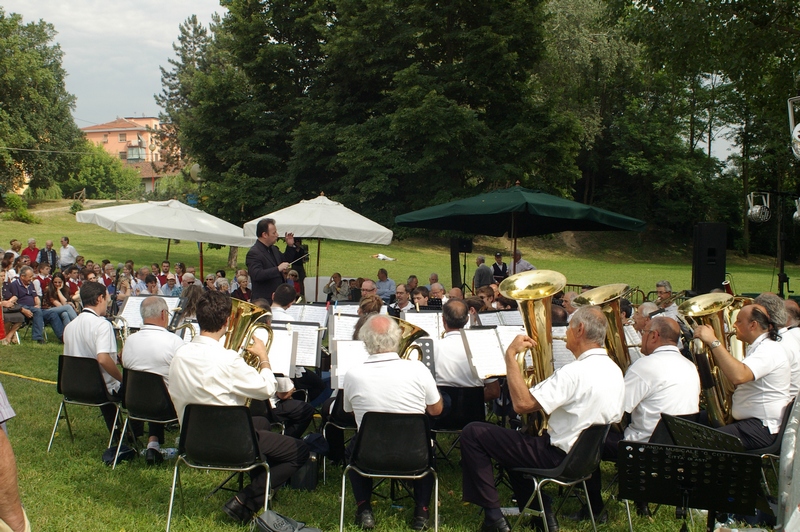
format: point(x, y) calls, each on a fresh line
point(201, 446)
point(467, 405)
point(81, 383)
point(772, 453)
point(393, 446)
point(576, 468)
point(146, 399)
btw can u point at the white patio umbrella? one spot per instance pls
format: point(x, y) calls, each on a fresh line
point(322, 218)
point(167, 219)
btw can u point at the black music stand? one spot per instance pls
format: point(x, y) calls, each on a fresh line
point(687, 433)
point(688, 478)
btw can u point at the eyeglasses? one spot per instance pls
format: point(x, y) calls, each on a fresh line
point(369, 289)
point(209, 278)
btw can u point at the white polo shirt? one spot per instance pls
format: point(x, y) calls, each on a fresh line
point(790, 341)
point(765, 397)
point(88, 335)
point(387, 383)
point(589, 392)
point(151, 349)
point(662, 382)
point(452, 366)
point(204, 372)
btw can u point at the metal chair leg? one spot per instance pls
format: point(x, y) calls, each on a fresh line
point(341, 510)
point(628, 509)
point(61, 408)
point(175, 480)
point(588, 505)
point(114, 426)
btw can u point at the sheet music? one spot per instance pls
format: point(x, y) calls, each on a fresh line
point(507, 333)
point(427, 321)
point(511, 317)
point(308, 341)
point(343, 326)
point(314, 313)
point(187, 336)
point(489, 318)
point(349, 353)
point(484, 351)
point(283, 351)
point(561, 355)
point(131, 309)
point(296, 312)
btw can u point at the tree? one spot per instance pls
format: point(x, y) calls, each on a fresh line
point(36, 126)
point(102, 175)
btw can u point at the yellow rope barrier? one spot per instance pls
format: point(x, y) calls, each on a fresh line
point(26, 377)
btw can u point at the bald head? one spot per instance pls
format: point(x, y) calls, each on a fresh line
point(792, 313)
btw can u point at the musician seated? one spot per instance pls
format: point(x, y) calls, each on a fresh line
point(662, 381)
point(387, 383)
point(792, 332)
point(151, 350)
point(453, 370)
point(790, 343)
point(402, 301)
point(761, 379)
point(632, 337)
point(420, 296)
point(204, 372)
point(588, 392)
point(664, 300)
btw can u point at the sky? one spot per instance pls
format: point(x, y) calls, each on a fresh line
point(113, 50)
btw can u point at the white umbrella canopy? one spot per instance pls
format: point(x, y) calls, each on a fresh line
point(323, 218)
point(167, 219)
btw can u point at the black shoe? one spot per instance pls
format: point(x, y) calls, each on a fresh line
point(420, 522)
point(552, 523)
point(42, 341)
point(153, 456)
point(366, 520)
point(501, 525)
point(237, 511)
point(643, 510)
point(600, 517)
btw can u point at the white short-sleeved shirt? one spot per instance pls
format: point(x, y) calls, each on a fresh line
point(662, 382)
point(88, 335)
point(151, 349)
point(765, 397)
point(588, 392)
point(204, 372)
point(790, 341)
point(387, 383)
point(67, 255)
point(451, 363)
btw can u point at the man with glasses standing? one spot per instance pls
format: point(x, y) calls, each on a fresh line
point(265, 262)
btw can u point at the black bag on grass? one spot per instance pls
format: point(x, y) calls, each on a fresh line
point(125, 454)
point(270, 521)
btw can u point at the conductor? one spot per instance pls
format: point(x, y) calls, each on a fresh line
point(265, 263)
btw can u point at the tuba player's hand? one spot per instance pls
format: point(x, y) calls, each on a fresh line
point(520, 344)
point(258, 348)
point(705, 333)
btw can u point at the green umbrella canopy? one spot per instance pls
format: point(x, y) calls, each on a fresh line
point(519, 212)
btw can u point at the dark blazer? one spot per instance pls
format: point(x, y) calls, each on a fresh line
point(262, 266)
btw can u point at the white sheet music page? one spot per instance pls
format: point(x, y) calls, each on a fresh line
point(308, 335)
point(561, 355)
point(283, 351)
point(349, 353)
point(296, 312)
point(427, 321)
point(343, 326)
point(511, 317)
point(489, 318)
point(507, 333)
point(484, 352)
point(316, 313)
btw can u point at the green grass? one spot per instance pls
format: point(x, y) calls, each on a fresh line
point(70, 489)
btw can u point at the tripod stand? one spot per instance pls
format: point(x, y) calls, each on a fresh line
point(464, 286)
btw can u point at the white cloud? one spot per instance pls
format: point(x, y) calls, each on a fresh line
point(112, 50)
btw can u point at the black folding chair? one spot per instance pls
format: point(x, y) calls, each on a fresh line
point(582, 459)
point(393, 446)
point(145, 398)
point(467, 405)
point(201, 446)
point(81, 383)
point(772, 453)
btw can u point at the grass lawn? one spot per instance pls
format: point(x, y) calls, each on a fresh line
point(70, 489)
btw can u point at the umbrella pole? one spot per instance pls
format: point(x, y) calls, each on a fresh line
point(200, 245)
point(316, 281)
point(514, 247)
point(169, 241)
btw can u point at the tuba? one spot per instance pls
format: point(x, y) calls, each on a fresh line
point(533, 291)
point(608, 297)
point(717, 390)
point(410, 333)
point(243, 323)
point(735, 346)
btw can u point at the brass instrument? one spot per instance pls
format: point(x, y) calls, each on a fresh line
point(608, 297)
point(122, 324)
point(664, 303)
point(735, 346)
point(188, 326)
point(410, 333)
point(533, 291)
point(243, 323)
point(717, 390)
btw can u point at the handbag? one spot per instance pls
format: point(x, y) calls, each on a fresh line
point(270, 521)
point(12, 308)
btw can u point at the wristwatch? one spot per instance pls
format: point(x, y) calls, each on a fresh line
point(715, 343)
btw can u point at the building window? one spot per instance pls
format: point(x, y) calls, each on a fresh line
point(123, 155)
point(105, 138)
point(135, 154)
point(123, 137)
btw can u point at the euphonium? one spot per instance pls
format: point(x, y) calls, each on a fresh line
point(533, 291)
point(608, 297)
point(242, 325)
point(709, 309)
point(410, 333)
point(735, 346)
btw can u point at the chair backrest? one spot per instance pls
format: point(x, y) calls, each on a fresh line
point(585, 454)
point(146, 396)
point(775, 448)
point(215, 435)
point(467, 405)
point(80, 379)
point(393, 444)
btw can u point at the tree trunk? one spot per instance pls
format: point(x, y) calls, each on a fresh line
point(233, 256)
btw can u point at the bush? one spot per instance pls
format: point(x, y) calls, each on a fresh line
point(18, 210)
point(53, 192)
point(76, 206)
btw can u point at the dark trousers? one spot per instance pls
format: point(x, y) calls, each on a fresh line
point(333, 435)
point(482, 442)
point(284, 454)
point(311, 382)
point(295, 416)
point(595, 484)
point(362, 486)
point(752, 432)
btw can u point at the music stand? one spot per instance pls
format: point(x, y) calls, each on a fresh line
point(687, 433)
point(688, 478)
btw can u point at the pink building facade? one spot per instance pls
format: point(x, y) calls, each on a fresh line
point(130, 138)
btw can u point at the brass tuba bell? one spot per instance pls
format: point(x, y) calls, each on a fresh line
point(533, 291)
point(410, 333)
point(243, 323)
point(607, 297)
